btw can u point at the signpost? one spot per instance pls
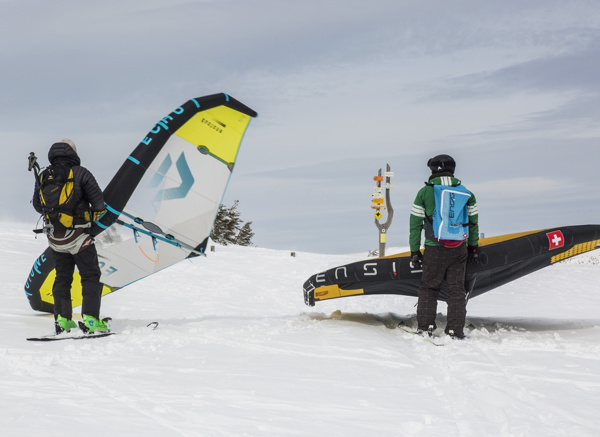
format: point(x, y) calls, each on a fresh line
point(381, 197)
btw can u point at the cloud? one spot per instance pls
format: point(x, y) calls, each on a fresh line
point(568, 72)
point(512, 189)
point(510, 89)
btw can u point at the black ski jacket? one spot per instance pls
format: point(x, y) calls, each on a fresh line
point(87, 194)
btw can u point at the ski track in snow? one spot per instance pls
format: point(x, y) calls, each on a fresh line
point(237, 353)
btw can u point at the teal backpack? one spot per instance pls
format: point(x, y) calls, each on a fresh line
point(451, 216)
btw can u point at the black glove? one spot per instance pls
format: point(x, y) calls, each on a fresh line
point(473, 254)
point(416, 260)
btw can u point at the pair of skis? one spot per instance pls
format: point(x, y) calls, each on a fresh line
point(427, 336)
point(71, 336)
point(423, 334)
point(81, 335)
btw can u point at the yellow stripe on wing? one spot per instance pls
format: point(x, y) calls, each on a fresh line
point(76, 297)
point(333, 291)
point(576, 250)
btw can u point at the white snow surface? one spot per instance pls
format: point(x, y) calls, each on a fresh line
point(237, 353)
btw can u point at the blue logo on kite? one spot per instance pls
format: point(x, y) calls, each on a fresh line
point(187, 179)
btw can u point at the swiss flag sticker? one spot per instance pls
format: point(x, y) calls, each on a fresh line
point(556, 239)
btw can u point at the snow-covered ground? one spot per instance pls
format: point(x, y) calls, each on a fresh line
point(237, 353)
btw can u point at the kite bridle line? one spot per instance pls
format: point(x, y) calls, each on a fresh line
point(154, 244)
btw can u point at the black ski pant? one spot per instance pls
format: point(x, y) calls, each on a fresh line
point(91, 288)
point(443, 264)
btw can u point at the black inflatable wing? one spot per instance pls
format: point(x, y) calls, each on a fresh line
point(502, 259)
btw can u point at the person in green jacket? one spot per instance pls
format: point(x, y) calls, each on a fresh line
point(442, 260)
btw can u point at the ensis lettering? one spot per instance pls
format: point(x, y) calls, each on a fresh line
point(370, 269)
point(343, 269)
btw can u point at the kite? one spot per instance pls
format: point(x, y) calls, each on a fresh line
point(502, 259)
point(162, 203)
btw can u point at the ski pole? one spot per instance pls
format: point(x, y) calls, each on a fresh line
point(33, 165)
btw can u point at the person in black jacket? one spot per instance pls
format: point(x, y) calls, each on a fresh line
point(74, 246)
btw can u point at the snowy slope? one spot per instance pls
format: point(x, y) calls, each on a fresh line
point(237, 353)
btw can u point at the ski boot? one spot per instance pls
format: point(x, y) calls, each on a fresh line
point(455, 335)
point(62, 324)
point(92, 325)
point(428, 331)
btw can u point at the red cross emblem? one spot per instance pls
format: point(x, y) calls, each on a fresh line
point(556, 239)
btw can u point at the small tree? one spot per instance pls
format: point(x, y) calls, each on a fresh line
point(228, 228)
point(232, 222)
point(219, 228)
point(244, 238)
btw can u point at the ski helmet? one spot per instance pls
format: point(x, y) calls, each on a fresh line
point(441, 164)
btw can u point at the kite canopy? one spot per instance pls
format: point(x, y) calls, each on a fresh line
point(502, 259)
point(162, 203)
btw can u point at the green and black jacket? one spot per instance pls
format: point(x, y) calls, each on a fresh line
point(424, 205)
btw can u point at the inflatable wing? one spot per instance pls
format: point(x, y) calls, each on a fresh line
point(162, 203)
point(502, 259)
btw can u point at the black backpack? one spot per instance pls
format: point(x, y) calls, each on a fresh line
point(56, 196)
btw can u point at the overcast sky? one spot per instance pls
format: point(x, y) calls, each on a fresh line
point(510, 89)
